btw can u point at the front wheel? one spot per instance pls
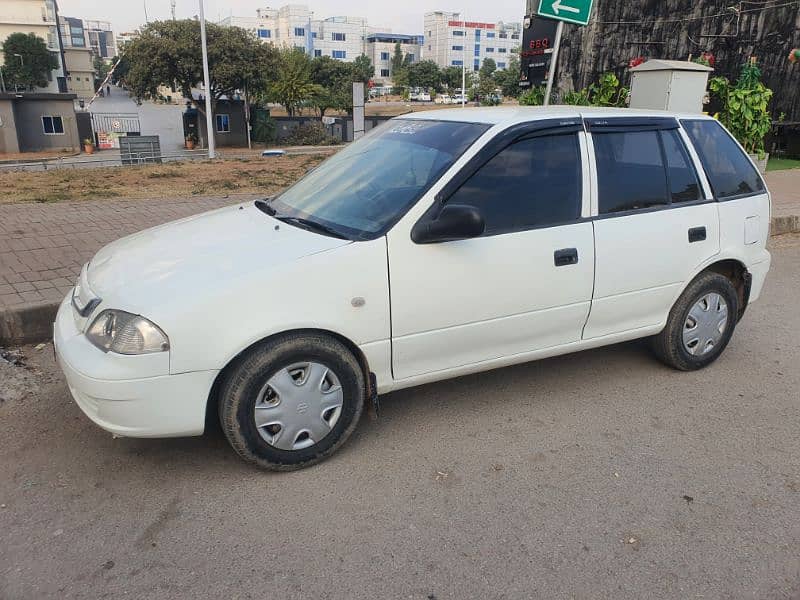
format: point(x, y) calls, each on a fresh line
point(700, 325)
point(292, 401)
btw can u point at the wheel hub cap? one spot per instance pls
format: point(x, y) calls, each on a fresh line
point(298, 406)
point(705, 324)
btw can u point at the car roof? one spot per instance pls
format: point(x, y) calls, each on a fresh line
point(509, 115)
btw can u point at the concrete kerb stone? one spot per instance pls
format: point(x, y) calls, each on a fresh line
point(34, 323)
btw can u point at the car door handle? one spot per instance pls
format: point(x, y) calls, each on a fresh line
point(697, 234)
point(565, 257)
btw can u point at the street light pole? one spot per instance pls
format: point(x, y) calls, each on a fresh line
point(212, 150)
point(464, 63)
point(553, 60)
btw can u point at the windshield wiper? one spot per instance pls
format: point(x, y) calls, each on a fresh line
point(312, 226)
point(263, 206)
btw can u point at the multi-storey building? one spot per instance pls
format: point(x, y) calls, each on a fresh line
point(101, 39)
point(39, 17)
point(380, 49)
point(453, 41)
point(294, 26)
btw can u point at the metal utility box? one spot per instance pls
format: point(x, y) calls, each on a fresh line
point(673, 85)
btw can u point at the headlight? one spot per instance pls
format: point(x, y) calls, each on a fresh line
point(124, 333)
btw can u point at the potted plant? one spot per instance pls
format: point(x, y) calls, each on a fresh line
point(745, 110)
point(191, 141)
point(88, 146)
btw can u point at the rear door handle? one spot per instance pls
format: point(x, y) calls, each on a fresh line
point(697, 234)
point(565, 257)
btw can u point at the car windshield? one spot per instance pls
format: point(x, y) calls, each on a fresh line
point(364, 189)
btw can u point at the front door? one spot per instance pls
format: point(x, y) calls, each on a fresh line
point(525, 285)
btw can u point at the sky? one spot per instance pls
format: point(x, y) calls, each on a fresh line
point(404, 16)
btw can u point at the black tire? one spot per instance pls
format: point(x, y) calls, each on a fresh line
point(668, 345)
point(246, 378)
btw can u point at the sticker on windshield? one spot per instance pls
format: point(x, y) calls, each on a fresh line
point(408, 128)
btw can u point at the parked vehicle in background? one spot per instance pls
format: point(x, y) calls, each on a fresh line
point(441, 244)
point(443, 99)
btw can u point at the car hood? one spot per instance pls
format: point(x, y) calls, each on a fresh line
point(197, 255)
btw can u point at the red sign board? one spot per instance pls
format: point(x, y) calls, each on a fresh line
point(471, 25)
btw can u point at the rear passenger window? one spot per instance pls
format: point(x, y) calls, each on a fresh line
point(683, 183)
point(630, 171)
point(729, 170)
point(532, 183)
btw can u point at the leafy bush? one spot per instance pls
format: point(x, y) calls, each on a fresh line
point(311, 133)
point(608, 92)
point(745, 107)
point(578, 98)
point(533, 97)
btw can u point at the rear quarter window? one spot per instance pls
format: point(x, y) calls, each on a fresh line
point(729, 170)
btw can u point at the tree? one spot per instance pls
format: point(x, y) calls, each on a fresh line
point(451, 77)
point(508, 79)
point(334, 80)
point(168, 53)
point(363, 69)
point(398, 67)
point(486, 82)
point(101, 69)
point(424, 74)
point(293, 85)
point(31, 68)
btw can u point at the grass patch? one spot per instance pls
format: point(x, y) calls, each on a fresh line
point(194, 178)
point(783, 164)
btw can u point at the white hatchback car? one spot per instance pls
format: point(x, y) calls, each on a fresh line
point(441, 244)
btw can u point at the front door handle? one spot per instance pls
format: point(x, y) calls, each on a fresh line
point(565, 257)
point(697, 234)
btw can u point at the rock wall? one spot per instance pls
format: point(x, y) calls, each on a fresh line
point(675, 29)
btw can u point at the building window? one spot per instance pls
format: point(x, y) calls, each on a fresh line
point(490, 50)
point(313, 35)
point(457, 63)
point(514, 36)
point(384, 72)
point(339, 54)
point(458, 48)
point(501, 65)
point(317, 52)
point(52, 125)
point(384, 56)
point(223, 123)
point(490, 34)
point(476, 65)
point(477, 49)
point(502, 50)
point(503, 36)
point(477, 33)
point(264, 33)
point(338, 37)
point(411, 58)
point(458, 33)
point(299, 32)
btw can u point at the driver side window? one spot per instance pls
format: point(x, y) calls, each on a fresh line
point(531, 184)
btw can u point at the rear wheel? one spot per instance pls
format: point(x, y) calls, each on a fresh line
point(292, 401)
point(700, 325)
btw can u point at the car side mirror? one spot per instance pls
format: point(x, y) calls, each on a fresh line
point(455, 222)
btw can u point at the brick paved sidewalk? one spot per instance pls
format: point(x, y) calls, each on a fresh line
point(44, 246)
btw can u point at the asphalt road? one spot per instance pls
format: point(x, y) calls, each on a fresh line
point(596, 475)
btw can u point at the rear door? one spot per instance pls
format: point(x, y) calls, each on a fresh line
point(655, 222)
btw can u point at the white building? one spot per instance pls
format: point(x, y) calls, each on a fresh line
point(380, 49)
point(39, 17)
point(450, 41)
point(295, 26)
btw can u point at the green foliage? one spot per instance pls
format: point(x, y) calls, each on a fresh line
point(293, 86)
point(398, 68)
point(745, 107)
point(312, 133)
point(576, 98)
point(424, 74)
point(101, 69)
point(451, 77)
point(168, 52)
point(334, 80)
point(36, 63)
point(121, 70)
point(508, 79)
point(533, 96)
point(608, 92)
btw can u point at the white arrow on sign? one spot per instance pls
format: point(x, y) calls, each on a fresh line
point(558, 6)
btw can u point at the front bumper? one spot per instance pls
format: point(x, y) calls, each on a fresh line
point(105, 387)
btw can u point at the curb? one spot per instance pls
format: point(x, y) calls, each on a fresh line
point(33, 324)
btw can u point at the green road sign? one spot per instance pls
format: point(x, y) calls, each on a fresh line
point(571, 11)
